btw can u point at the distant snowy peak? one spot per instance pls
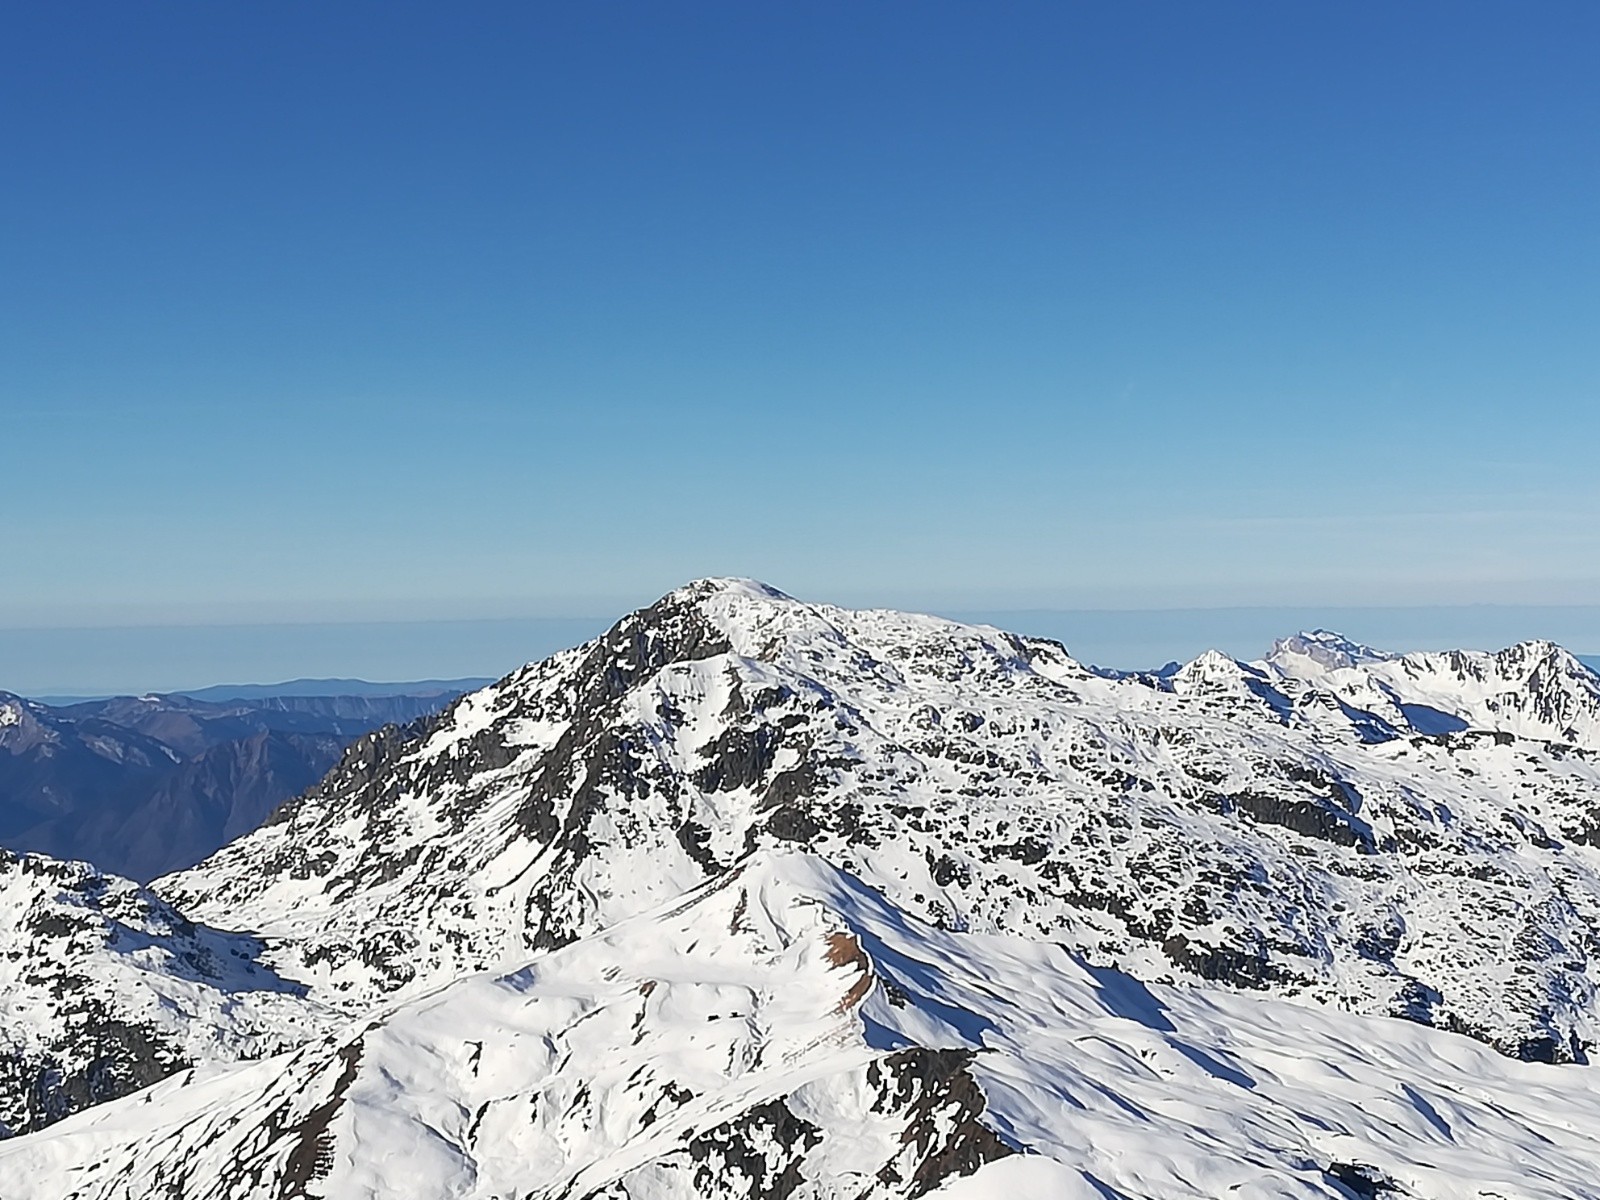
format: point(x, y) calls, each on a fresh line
point(1534, 689)
point(1214, 671)
point(1325, 648)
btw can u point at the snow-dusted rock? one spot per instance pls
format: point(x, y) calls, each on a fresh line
point(105, 988)
point(1242, 825)
point(786, 1032)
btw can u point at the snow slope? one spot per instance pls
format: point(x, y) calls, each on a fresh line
point(1261, 827)
point(785, 1031)
point(1533, 689)
point(104, 988)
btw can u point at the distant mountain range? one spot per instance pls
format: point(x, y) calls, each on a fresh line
point(221, 692)
point(757, 899)
point(145, 785)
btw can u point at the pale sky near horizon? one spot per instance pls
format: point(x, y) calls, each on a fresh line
point(79, 662)
point(375, 313)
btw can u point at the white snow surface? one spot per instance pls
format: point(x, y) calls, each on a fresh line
point(771, 1034)
point(758, 898)
point(103, 987)
point(1534, 689)
point(1268, 827)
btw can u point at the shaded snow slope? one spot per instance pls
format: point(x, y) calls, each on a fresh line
point(104, 988)
point(1233, 824)
point(785, 1031)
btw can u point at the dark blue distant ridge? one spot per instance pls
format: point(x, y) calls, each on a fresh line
point(222, 693)
point(334, 687)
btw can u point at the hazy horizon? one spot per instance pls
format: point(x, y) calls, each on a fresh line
point(332, 314)
point(178, 658)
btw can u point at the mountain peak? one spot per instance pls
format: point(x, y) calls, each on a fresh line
point(727, 585)
point(1542, 652)
point(1211, 668)
point(982, 779)
point(1327, 649)
point(698, 902)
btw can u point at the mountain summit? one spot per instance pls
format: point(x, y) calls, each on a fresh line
point(753, 897)
point(1326, 649)
point(1237, 825)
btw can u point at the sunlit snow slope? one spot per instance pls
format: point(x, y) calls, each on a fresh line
point(104, 988)
point(784, 1031)
point(1412, 837)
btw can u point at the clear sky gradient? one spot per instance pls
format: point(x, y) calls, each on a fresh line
point(394, 312)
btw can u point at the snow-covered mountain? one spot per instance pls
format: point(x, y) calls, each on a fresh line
point(1230, 824)
point(104, 989)
point(785, 1032)
point(1533, 689)
point(756, 897)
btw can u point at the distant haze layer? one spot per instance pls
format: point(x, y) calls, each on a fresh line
point(104, 661)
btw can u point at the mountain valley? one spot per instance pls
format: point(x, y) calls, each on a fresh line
point(145, 785)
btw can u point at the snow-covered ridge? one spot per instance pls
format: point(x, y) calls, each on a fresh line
point(104, 988)
point(1242, 825)
point(1534, 689)
point(784, 1031)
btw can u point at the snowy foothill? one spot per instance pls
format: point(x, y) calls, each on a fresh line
point(786, 1031)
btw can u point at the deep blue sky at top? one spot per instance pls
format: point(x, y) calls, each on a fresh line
point(328, 311)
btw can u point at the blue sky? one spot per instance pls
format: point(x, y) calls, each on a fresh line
point(365, 313)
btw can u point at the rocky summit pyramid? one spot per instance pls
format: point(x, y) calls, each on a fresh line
point(757, 897)
point(1232, 824)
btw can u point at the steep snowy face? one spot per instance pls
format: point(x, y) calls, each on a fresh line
point(104, 989)
point(784, 1031)
point(1232, 824)
point(1533, 690)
